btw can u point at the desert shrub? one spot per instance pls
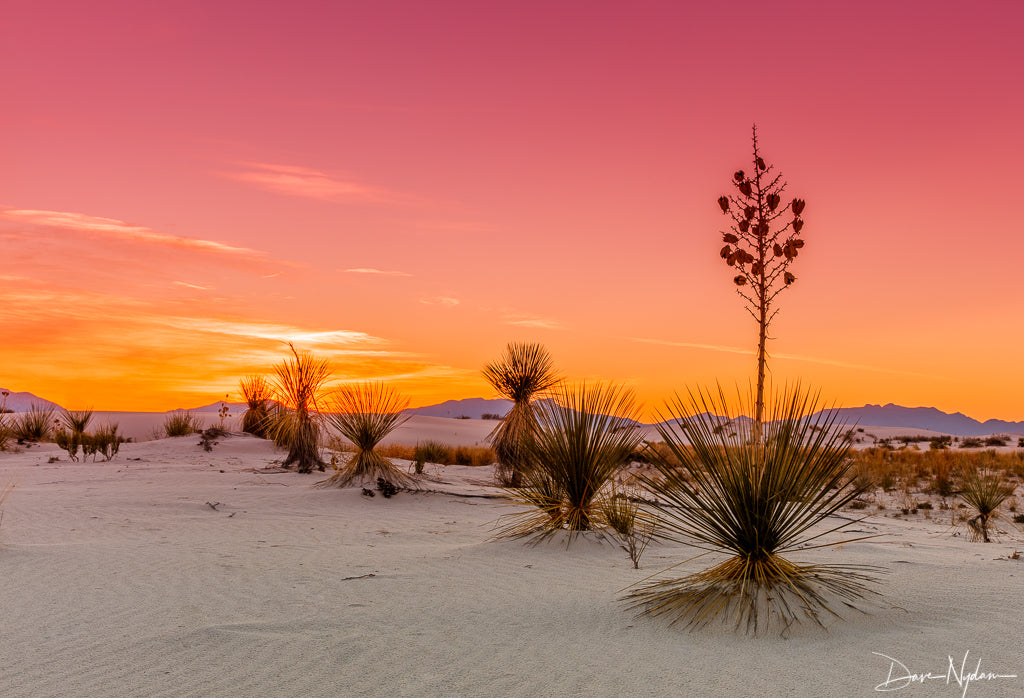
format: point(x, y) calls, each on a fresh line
point(997, 441)
point(494, 416)
point(756, 501)
point(208, 437)
point(299, 384)
point(576, 450)
point(36, 424)
point(257, 394)
point(365, 414)
point(181, 423)
point(520, 375)
point(984, 494)
point(429, 452)
point(105, 442)
point(940, 442)
point(971, 442)
point(69, 441)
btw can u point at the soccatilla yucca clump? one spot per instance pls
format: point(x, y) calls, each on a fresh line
point(257, 394)
point(755, 502)
point(299, 384)
point(582, 439)
point(365, 414)
point(522, 373)
point(36, 424)
point(984, 494)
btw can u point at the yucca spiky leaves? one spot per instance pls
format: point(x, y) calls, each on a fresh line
point(755, 501)
point(984, 493)
point(257, 394)
point(582, 439)
point(299, 385)
point(522, 373)
point(365, 414)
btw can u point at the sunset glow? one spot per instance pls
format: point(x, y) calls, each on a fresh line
point(405, 187)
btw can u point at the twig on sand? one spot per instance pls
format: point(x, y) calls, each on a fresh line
point(213, 505)
point(362, 576)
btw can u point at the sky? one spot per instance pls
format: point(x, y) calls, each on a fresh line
point(405, 187)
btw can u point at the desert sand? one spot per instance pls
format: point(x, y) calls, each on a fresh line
point(171, 571)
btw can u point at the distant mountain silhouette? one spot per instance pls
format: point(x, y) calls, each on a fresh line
point(474, 408)
point(22, 402)
point(925, 418)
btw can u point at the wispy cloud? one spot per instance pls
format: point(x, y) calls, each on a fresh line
point(120, 230)
point(188, 285)
point(272, 331)
point(521, 319)
point(786, 357)
point(306, 182)
point(379, 272)
point(440, 300)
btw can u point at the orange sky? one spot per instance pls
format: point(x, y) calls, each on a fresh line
point(407, 186)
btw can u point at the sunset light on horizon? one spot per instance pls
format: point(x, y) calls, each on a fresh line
point(406, 187)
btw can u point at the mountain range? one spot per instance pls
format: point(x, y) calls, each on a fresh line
point(890, 415)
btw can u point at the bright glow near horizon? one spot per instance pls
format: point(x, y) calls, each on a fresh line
point(406, 187)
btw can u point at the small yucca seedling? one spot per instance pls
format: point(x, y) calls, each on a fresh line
point(631, 526)
point(181, 423)
point(429, 452)
point(257, 394)
point(521, 374)
point(756, 502)
point(582, 439)
point(984, 494)
point(365, 414)
point(299, 385)
point(761, 247)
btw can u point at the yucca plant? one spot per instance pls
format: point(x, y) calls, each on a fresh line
point(754, 501)
point(70, 430)
point(429, 452)
point(582, 439)
point(300, 386)
point(36, 424)
point(76, 420)
point(522, 373)
point(257, 394)
point(181, 423)
point(365, 413)
point(984, 494)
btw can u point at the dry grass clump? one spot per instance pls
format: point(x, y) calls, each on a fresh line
point(984, 493)
point(444, 454)
point(181, 423)
point(755, 500)
point(428, 452)
point(634, 529)
point(582, 440)
point(36, 424)
point(299, 384)
point(257, 394)
point(520, 375)
point(365, 414)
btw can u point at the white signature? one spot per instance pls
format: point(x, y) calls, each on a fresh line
point(900, 677)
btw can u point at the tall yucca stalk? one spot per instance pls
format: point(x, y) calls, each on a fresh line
point(365, 414)
point(523, 372)
point(754, 501)
point(257, 393)
point(299, 384)
point(582, 439)
point(984, 494)
point(761, 247)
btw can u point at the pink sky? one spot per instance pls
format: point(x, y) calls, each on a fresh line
point(407, 186)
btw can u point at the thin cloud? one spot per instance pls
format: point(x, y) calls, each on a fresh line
point(309, 183)
point(530, 320)
point(188, 285)
point(788, 357)
point(380, 272)
point(120, 230)
point(440, 300)
point(265, 330)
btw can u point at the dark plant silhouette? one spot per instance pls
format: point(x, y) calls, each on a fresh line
point(984, 494)
point(365, 414)
point(760, 245)
point(257, 393)
point(299, 384)
point(522, 373)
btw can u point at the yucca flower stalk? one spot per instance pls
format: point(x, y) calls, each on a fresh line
point(522, 373)
point(365, 414)
point(582, 440)
point(984, 494)
point(257, 393)
point(761, 247)
point(755, 502)
point(299, 384)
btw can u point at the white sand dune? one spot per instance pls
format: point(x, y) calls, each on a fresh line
point(120, 580)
